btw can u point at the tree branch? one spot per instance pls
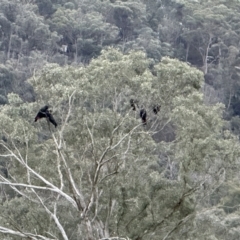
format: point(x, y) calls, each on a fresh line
point(24, 234)
point(53, 187)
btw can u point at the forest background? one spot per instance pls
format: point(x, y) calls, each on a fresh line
point(101, 174)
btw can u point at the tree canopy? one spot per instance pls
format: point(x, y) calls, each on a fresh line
point(102, 173)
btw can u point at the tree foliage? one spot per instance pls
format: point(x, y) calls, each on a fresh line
point(102, 173)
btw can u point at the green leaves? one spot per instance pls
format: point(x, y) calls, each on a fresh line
point(101, 160)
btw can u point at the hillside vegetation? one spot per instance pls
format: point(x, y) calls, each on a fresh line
point(103, 173)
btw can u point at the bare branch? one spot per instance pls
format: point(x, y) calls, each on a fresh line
point(77, 194)
point(97, 204)
point(72, 182)
point(91, 136)
point(109, 159)
point(60, 227)
point(126, 135)
point(24, 234)
point(180, 223)
point(7, 182)
point(53, 187)
point(30, 186)
point(108, 175)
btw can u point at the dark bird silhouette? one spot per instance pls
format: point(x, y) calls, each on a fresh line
point(45, 113)
point(42, 113)
point(133, 104)
point(156, 108)
point(51, 119)
point(143, 116)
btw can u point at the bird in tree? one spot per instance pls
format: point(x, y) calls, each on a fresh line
point(133, 104)
point(45, 113)
point(42, 113)
point(156, 108)
point(51, 119)
point(143, 116)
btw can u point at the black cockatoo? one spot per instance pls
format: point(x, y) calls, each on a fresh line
point(45, 113)
point(143, 116)
point(42, 113)
point(134, 104)
point(156, 108)
point(51, 119)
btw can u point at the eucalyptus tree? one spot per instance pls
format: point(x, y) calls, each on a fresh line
point(102, 173)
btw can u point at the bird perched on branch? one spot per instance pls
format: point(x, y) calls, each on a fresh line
point(45, 113)
point(156, 108)
point(143, 116)
point(51, 119)
point(42, 113)
point(133, 104)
